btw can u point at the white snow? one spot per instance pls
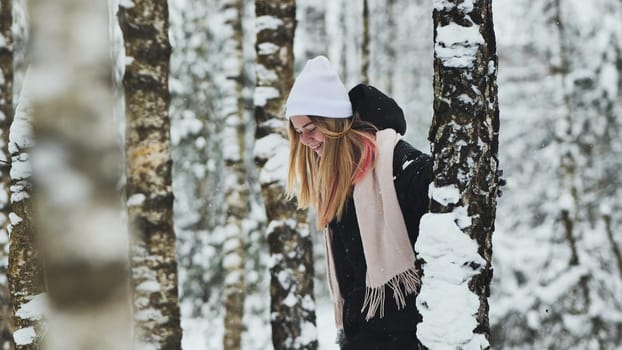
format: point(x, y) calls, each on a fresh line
point(128, 60)
point(443, 4)
point(291, 300)
point(20, 141)
point(34, 309)
point(136, 199)
point(200, 142)
point(267, 48)
point(264, 74)
point(275, 148)
point(308, 334)
point(285, 279)
point(231, 244)
point(326, 325)
point(445, 195)
point(406, 164)
point(290, 223)
point(275, 169)
point(149, 287)
point(551, 293)
point(231, 260)
point(447, 305)
point(457, 45)
point(4, 239)
point(267, 22)
point(14, 219)
point(264, 93)
point(150, 314)
point(24, 336)
point(566, 202)
point(4, 198)
point(126, 3)
point(610, 77)
point(466, 6)
point(232, 277)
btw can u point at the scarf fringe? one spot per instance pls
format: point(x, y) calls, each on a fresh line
point(375, 296)
point(338, 305)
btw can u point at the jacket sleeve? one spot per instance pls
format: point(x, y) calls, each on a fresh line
point(412, 181)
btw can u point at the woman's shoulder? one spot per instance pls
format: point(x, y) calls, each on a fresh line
point(407, 158)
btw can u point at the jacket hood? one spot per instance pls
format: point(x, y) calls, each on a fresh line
point(375, 107)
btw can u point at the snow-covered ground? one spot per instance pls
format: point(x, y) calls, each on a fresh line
point(200, 334)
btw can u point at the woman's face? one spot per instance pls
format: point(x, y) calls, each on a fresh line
point(310, 135)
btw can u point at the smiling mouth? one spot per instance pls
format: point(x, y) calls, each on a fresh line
point(317, 147)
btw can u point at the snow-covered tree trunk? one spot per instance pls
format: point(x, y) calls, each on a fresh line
point(25, 273)
point(365, 44)
point(350, 41)
point(569, 201)
point(236, 184)
point(291, 285)
point(456, 236)
point(383, 45)
point(311, 34)
point(76, 167)
point(198, 160)
point(6, 117)
point(148, 171)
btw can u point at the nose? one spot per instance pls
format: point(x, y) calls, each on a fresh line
point(305, 138)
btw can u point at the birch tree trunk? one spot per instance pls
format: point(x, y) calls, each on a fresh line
point(76, 167)
point(6, 118)
point(388, 46)
point(291, 273)
point(311, 33)
point(455, 239)
point(148, 172)
point(236, 184)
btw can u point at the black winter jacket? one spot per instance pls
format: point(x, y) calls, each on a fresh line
point(412, 171)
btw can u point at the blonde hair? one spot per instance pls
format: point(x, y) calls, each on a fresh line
point(326, 181)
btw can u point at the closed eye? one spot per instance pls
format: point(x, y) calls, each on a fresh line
point(299, 132)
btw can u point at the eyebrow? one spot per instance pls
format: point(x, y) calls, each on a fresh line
point(304, 126)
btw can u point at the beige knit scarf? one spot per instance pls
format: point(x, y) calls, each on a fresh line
point(386, 246)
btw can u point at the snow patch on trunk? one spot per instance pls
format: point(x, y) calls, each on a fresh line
point(448, 307)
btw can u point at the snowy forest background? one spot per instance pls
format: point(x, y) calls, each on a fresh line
point(556, 250)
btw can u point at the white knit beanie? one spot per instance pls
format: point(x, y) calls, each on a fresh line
point(318, 91)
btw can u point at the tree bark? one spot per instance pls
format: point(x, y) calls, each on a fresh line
point(236, 184)
point(25, 275)
point(6, 118)
point(148, 172)
point(76, 167)
point(464, 136)
point(291, 273)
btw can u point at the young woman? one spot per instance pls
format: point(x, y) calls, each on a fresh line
point(370, 190)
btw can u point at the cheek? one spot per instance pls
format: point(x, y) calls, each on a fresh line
point(319, 137)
